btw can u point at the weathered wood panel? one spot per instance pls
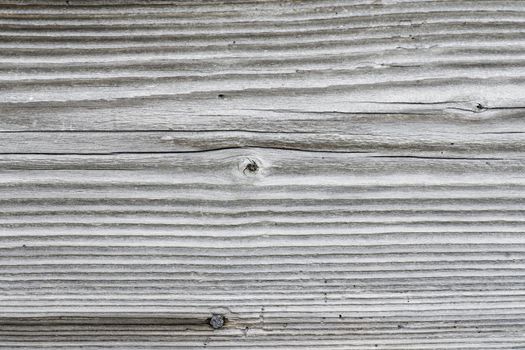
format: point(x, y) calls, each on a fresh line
point(326, 174)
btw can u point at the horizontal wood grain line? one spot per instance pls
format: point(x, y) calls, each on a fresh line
point(101, 321)
point(432, 145)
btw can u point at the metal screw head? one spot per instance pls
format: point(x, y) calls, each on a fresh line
point(216, 321)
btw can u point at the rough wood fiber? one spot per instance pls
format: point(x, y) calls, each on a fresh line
point(327, 174)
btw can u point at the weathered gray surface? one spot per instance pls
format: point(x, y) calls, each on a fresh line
point(326, 174)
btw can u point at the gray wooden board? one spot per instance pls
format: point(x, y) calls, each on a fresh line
point(326, 174)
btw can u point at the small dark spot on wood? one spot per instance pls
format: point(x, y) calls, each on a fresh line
point(452, 143)
point(23, 245)
point(400, 326)
point(340, 316)
point(480, 106)
point(221, 96)
point(216, 321)
point(251, 167)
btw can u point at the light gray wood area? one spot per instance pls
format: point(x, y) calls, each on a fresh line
point(326, 174)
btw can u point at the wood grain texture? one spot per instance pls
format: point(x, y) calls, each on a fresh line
point(326, 174)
